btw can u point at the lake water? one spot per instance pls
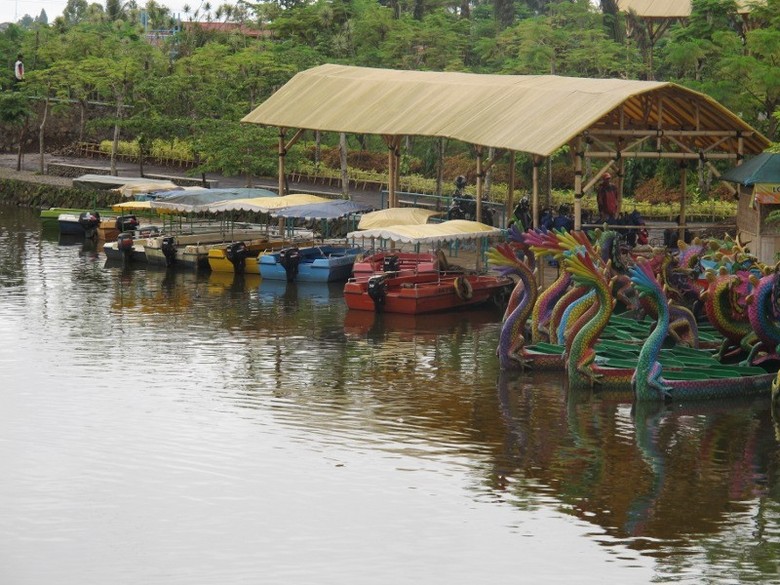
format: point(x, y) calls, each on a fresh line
point(165, 428)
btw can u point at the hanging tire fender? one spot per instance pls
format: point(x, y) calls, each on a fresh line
point(463, 288)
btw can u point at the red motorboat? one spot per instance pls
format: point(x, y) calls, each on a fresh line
point(425, 292)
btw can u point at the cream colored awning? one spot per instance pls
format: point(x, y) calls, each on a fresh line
point(672, 8)
point(431, 233)
point(396, 216)
point(265, 204)
point(525, 113)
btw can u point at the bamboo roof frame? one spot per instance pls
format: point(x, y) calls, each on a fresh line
point(536, 114)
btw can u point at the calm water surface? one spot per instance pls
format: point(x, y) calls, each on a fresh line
point(178, 428)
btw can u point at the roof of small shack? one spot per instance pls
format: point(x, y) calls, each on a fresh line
point(671, 8)
point(526, 113)
point(764, 168)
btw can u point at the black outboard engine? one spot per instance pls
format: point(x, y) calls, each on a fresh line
point(377, 290)
point(391, 263)
point(126, 223)
point(124, 244)
point(237, 254)
point(168, 248)
point(290, 258)
point(89, 221)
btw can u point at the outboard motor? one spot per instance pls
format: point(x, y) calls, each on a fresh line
point(126, 223)
point(90, 222)
point(168, 248)
point(391, 263)
point(290, 258)
point(124, 244)
point(377, 290)
point(237, 254)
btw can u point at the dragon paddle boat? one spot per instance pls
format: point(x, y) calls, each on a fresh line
point(650, 380)
point(579, 332)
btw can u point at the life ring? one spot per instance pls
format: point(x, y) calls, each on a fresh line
point(463, 288)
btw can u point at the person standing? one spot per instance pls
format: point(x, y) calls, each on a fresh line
point(19, 69)
point(607, 199)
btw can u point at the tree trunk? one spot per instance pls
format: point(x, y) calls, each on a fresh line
point(41, 132)
point(22, 134)
point(343, 155)
point(83, 120)
point(317, 148)
point(115, 143)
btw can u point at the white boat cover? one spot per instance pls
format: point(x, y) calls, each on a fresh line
point(195, 201)
point(396, 216)
point(431, 233)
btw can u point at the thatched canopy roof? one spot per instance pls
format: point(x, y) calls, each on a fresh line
point(526, 113)
point(671, 8)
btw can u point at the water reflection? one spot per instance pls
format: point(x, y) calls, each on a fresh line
point(220, 409)
point(660, 478)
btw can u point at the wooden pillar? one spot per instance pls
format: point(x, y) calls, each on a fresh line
point(578, 183)
point(479, 183)
point(535, 211)
point(396, 169)
point(391, 175)
point(683, 189)
point(535, 191)
point(282, 154)
point(621, 181)
point(510, 189)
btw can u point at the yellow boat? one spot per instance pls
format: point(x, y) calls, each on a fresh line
point(225, 258)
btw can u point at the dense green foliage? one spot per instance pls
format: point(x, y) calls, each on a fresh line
point(135, 72)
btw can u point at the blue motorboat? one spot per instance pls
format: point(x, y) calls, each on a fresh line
point(326, 263)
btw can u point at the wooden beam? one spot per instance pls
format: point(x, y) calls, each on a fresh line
point(672, 155)
point(663, 132)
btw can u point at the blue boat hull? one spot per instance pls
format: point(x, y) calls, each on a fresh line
point(314, 264)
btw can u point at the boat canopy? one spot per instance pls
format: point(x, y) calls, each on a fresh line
point(265, 204)
point(331, 209)
point(132, 205)
point(396, 216)
point(194, 201)
point(431, 233)
point(142, 187)
point(94, 181)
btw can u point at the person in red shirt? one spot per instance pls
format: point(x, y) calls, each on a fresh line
point(607, 199)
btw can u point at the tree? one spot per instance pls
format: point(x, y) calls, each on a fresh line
point(75, 11)
point(232, 148)
point(15, 112)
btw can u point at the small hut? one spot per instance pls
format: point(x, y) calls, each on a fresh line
point(759, 195)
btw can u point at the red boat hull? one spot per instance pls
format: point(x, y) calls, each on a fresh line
point(415, 294)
